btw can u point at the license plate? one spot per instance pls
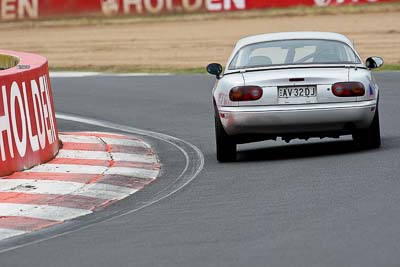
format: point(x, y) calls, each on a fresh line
point(297, 91)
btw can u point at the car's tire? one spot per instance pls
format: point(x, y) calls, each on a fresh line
point(226, 146)
point(371, 137)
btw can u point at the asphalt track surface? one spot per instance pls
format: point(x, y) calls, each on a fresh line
point(317, 203)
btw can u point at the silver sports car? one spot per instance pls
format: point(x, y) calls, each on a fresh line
point(294, 85)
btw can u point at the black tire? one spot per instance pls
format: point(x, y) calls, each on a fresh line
point(226, 147)
point(371, 137)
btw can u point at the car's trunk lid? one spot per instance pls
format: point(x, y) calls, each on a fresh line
point(320, 78)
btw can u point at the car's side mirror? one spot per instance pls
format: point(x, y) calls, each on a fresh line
point(214, 69)
point(374, 62)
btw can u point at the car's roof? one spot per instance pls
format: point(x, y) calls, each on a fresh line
point(289, 36)
point(292, 36)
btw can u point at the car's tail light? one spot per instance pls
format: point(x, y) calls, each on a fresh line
point(347, 89)
point(245, 93)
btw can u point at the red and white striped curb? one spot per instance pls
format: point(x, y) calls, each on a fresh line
point(91, 171)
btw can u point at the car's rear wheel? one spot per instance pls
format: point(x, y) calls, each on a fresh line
point(371, 137)
point(226, 146)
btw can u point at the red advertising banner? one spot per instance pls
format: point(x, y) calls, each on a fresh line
point(254, 4)
point(32, 9)
point(28, 128)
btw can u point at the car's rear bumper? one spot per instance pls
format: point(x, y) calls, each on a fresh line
point(291, 119)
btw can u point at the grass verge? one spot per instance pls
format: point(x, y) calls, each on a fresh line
point(131, 69)
point(197, 70)
point(390, 67)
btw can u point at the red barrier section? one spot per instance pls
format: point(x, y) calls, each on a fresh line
point(20, 9)
point(28, 129)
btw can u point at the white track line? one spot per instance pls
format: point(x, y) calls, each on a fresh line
point(72, 74)
point(80, 139)
point(69, 168)
point(102, 155)
point(39, 186)
point(86, 169)
point(53, 213)
point(82, 154)
point(97, 190)
point(105, 191)
point(6, 233)
point(134, 157)
point(124, 142)
point(133, 172)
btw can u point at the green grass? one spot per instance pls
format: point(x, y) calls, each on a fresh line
point(390, 67)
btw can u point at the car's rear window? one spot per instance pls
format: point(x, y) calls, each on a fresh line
point(293, 52)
